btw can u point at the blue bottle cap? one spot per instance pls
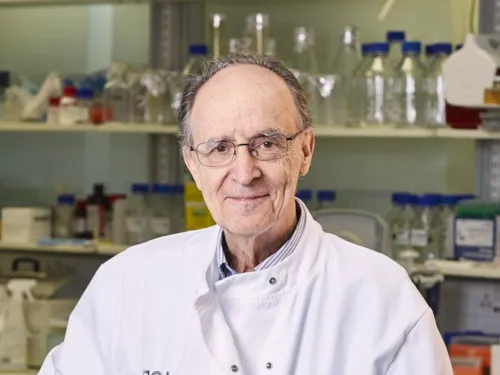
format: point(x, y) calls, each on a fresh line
point(400, 197)
point(84, 93)
point(178, 189)
point(198, 49)
point(66, 199)
point(395, 36)
point(429, 49)
point(304, 195)
point(411, 47)
point(380, 48)
point(465, 197)
point(140, 188)
point(429, 200)
point(444, 48)
point(326, 195)
point(449, 200)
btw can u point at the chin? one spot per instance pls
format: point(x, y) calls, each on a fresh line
point(247, 225)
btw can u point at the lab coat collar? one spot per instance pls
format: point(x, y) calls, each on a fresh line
point(286, 275)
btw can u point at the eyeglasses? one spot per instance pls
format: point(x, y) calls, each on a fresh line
point(264, 148)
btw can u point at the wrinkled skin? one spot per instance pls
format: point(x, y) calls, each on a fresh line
point(252, 200)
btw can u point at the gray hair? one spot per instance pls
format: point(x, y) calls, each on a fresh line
point(195, 82)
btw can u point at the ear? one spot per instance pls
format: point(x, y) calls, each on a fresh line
point(307, 152)
point(191, 161)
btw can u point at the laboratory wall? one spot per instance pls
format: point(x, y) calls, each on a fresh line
point(85, 39)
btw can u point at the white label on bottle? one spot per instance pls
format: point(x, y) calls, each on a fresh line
point(160, 226)
point(419, 237)
point(135, 224)
point(401, 237)
point(470, 232)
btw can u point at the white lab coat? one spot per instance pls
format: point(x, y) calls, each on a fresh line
point(340, 309)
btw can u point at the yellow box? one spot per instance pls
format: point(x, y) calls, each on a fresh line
point(196, 212)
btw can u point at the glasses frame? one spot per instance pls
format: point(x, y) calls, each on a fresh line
point(236, 146)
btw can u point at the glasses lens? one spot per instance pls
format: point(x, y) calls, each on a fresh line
point(213, 154)
point(269, 147)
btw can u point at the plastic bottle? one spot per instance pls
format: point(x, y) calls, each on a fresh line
point(98, 211)
point(64, 214)
point(395, 39)
point(400, 220)
point(434, 87)
point(137, 222)
point(116, 95)
point(326, 199)
point(347, 57)
point(305, 196)
point(406, 88)
point(84, 101)
point(67, 108)
point(355, 95)
point(375, 82)
point(13, 347)
point(426, 228)
point(197, 57)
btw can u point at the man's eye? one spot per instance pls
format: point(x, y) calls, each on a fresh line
point(268, 144)
point(221, 148)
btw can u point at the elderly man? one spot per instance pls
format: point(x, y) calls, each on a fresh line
point(266, 291)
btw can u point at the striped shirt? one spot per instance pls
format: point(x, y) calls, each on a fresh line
point(288, 248)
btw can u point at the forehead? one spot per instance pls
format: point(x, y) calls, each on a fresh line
point(241, 101)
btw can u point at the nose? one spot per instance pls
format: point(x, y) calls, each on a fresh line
point(244, 169)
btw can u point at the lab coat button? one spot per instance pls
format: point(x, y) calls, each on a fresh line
point(269, 365)
point(234, 368)
point(272, 280)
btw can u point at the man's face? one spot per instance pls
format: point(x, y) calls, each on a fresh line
point(238, 104)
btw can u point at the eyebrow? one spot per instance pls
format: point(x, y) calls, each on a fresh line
point(268, 132)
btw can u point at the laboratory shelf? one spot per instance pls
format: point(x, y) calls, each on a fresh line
point(104, 128)
point(467, 269)
point(91, 248)
point(21, 372)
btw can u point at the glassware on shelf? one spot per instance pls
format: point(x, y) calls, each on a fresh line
point(116, 96)
point(328, 100)
point(374, 86)
point(356, 94)
point(176, 84)
point(257, 29)
point(434, 86)
point(303, 59)
point(217, 35)
point(347, 57)
point(197, 57)
point(405, 105)
point(137, 96)
point(395, 39)
point(156, 98)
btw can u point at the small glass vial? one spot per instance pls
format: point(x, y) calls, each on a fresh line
point(326, 199)
point(53, 110)
point(68, 111)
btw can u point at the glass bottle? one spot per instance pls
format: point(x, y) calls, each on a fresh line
point(197, 57)
point(395, 39)
point(347, 57)
point(303, 60)
point(116, 95)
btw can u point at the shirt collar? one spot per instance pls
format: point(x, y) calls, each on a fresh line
point(224, 270)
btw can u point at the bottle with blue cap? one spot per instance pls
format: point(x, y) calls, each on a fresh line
point(137, 220)
point(374, 86)
point(326, 199)
point(434, 87)
point(306, 196)
point(426, 228)
point(167, 210)
point(64, 214)
point(356, 93)
point(395, 39)
point(400, 219)
point(406, 89)
point(197, 58)
point(448, 208)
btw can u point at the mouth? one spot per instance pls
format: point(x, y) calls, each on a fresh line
point(244, 199)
